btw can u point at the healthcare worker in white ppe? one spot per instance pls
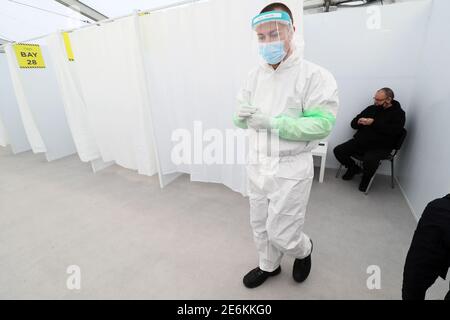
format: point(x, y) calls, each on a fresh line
point(294, 102)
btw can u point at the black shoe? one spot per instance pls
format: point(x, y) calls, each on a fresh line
point(302, 267)
point(256, 277)
point(351, 172)
point(364, 184)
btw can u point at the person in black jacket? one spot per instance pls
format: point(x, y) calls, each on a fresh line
point(429, 255)
point(379, 127)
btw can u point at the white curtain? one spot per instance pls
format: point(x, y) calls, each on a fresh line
point(74, 105)
point(9, 111)
point(112, 84)
point(197, 57)
point(44, 101)
point(3, 135)
point(33, 135)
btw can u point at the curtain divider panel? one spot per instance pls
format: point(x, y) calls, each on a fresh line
point(9, 111)
point(43, 97)
point(29, 124)
point(111, 77)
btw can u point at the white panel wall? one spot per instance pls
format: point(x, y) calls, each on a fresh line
point(425, 161)
point(366, 49)
point(3, 135)
point(9, 110)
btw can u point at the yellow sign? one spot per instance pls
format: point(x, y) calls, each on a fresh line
point(68, 46)
point(29, 55)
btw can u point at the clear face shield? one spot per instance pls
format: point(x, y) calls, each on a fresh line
point(274, 32)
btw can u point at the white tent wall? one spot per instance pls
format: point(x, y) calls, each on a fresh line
point(424, 173)
point(365, 56)
point(197, 57)
point(74, 105)
point(108, 64)
point(33, 135)
point(9, 111)
point(3, 135)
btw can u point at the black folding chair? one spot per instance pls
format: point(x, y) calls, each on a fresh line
point(359, 159)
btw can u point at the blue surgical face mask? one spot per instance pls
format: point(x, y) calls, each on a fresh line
point(272, 52)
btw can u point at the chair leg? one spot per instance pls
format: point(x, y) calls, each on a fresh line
point(447, 297)
point(339, 171)
point(371, 180)
point(392, 174)
point(370, 184)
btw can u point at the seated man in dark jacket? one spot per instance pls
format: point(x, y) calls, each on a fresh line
point(379, 127)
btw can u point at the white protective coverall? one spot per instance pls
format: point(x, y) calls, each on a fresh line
point(301, 98)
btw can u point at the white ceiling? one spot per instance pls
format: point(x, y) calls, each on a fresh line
point(20, 22)
point(115, 8)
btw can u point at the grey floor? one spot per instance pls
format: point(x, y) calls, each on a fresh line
point(132, 240)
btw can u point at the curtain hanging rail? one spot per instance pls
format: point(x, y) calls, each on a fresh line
point(173, 5)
